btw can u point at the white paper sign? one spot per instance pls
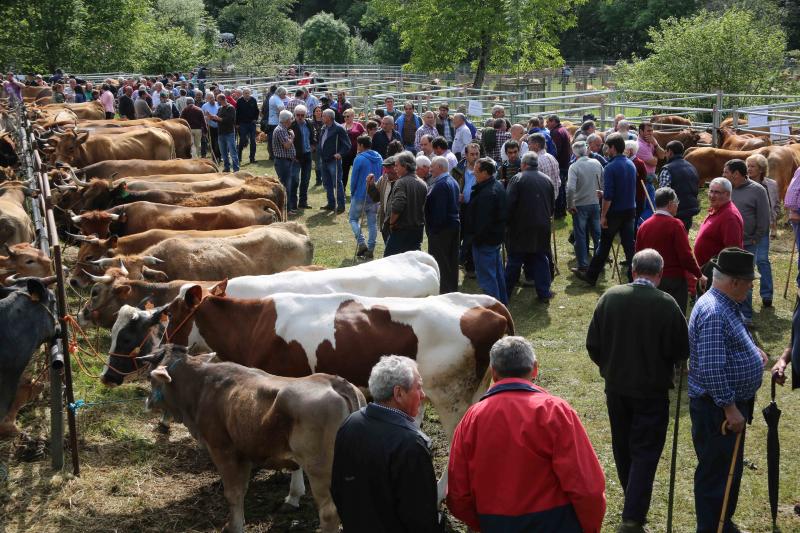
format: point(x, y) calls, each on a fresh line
point(757, 118)
point(474, 108)
point(781, 127)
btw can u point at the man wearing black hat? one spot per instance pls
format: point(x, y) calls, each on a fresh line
point(725, 370)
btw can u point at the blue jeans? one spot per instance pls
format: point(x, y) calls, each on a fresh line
point(304, 166)
point(287, 173)
point(584, 223)
point(371, 210)
point(489, 271)
point(761, 251)
point(537, 264)
point(560, 210)
point(332, 180)
point(247, 132)
point(227, 149)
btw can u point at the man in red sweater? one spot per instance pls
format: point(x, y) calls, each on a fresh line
point(723, 227)
point(549, 478)
point(666, 234)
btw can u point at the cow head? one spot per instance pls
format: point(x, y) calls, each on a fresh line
point(134, 333)
point(183, 307)
point(104, 269)
point(8, 150)
point(96, 222)
point(65, 147)
point(688, 137)
point(165, 359)
point(24, 260)
point(105, 300)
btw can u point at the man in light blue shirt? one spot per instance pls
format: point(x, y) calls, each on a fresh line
point(210, 108)
point(275, 105)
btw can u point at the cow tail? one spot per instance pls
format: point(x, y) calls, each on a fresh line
point(353, 398)
point(501, 309)
point(173, 154)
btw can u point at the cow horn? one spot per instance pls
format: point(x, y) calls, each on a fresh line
point(151, 260)
point(10, 280)
point(103, 262)
point(99, 279)
point(152, 359)
point(76, 219)
point(79, 238)
point(113, 216)
point(66, 187)
point(75, 179)
point(122, 268)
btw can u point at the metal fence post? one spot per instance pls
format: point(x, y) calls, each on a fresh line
point(715, 120)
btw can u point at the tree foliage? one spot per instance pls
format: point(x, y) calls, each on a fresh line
point(325, 39)
point(734, 52)
point(265, 35)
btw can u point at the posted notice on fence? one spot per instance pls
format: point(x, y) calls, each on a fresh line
point(474, 108)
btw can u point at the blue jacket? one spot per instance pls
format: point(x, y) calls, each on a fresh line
point(441, 206)
point(398, 125)
point(472, 129)
point(366, 163)
point(619, 184)
point(551, 146)
point(327, 150)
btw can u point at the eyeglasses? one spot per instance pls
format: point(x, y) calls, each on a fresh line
point(711, 191)
point(300, 114)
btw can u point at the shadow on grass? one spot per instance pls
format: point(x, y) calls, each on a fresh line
point(321, 218)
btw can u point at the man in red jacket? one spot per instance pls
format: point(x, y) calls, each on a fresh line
point(666, 234)
point(723, 227)
point(549, 478)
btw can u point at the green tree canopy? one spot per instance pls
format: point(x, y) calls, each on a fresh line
point(325, 39)
point(734, 52)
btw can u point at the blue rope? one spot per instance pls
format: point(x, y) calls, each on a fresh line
point(82, 404)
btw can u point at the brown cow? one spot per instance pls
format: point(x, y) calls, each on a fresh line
point(146, 167)
point(687, 137)
point(245, 417)
point(664, 122)
point(24, 260)
point(142, 216)
point(81, 149)
point(84, 110)
point(36, 91)
point(15, 224)
point(783, 161)
point(195, 186)
point(27, 391)
point(728, 140)
point(177, 128)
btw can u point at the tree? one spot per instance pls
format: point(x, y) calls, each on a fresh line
point(494, 34)
point(325, 39)
point(734, 52)
point(186, 14)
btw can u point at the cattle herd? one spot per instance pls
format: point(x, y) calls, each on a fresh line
point(211, 292)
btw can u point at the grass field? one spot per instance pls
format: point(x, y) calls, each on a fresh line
point(134, 479)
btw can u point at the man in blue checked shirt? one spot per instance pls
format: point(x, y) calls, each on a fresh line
point(725, 371)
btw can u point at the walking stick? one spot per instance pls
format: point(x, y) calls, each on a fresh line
point(649, 201)
point(721, 525)
point(789, 274)
point(360, 219)
point(674, 460)
point(616, 264)
point(555, 247)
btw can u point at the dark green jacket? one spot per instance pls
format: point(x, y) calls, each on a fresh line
point(486, 214)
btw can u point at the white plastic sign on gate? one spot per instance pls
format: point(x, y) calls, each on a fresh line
point(779, 130)
point(757, 118)
point(474, 108)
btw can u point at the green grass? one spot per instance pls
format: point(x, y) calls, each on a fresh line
point(134, 479)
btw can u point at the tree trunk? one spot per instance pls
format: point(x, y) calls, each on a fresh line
point(483, 61)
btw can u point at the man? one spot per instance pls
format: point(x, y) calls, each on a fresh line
point(548, 165)
point(197, 124)
point(584, 181)
point(636, 337)
point(275, 105)
point(682, 177)
point(464, 174)
point(619, 117)
point(209, 108)
point(595, 145)
point(624, 129)
point(722, 228)
point(141, 107)
point(246, 118)
point(426, 146)
point(499, 111)
point(560, 137)
point(285, 156)
point(530, 207)
point(444, 124)
point(535, 126)
point(226, 120)
point(440, 149)
point(587, 128)
point(385, 135)
point(649, 150)
point(666, 234)
point(126, 106)
point(442, 223)
point(407, 207)
point(390, 110)
point(305, 141)
point(725, 372)
point(512, 163)
point(407, 125)
point(462, 136)
point(296, 100)
point(368, 162)
point(521, 459)
point(486, 215)
point(334, 143)
point(618, 210)
point(751, 199)
point(517, 132)
point(423, 171)
point(382, 478)
point(428, 127)
point(379, 192)
point(501, 135)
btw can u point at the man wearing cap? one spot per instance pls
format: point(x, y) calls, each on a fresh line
point(379, 191)
point(725, 371)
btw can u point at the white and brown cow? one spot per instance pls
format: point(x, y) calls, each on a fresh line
point(245, 417)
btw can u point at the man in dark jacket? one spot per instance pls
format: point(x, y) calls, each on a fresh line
point(407, 207)
point(561, 139)
point(485, 229)
point(681, 177)
point(246, 118)
point(530, 208)
point(334, 143)
point(442, 224)
point(382, 479)
point(305, 139)
point(637, 335)
point(385, 135)
point(126, 109)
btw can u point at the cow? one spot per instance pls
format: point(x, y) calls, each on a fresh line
point(728, 140)
point(709, 162)
point(687, 137)
point(412, 274)
point(186, 178)
point(15, 224)
point(84, 110)
point(81, 149)
point(177, 128)
point(35, 92)
point(24, 260)
point(245, 417)
point(227, 180)
point(8, 149)
point(264, 250)
point(142, 216)
point(27, 390)
point(664, 122)
point(30, 304)
point(294, 335)
point(145, 167)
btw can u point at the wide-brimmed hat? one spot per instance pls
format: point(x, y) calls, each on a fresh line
point(389, 161)
point(735, 262)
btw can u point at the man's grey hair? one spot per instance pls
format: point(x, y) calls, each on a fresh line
point(623, 124)
point(722, 182)
point(631, 147)
point(423, 161)
point(330, 113)
point(407, 160)
point(461, 117)
point(281, 91)
point(428, 137)
point(592, 138)
point(498, 107)
point(300, 108)
point(580, 149)
point(665, 195)
point(439, 162)
point(285, 116)
point(720, 277)
point(389, 372)
point(512, 357)
point(530, 159)
point(648, 262)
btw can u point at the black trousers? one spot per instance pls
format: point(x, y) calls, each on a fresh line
point(638, 432)
point(678, 289)
point(403, 240)
point(214, 134)
point(621, 222)
point(444, 247)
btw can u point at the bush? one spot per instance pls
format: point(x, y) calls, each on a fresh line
point(325, 40)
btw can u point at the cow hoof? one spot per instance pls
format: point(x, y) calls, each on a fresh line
point(162, 428)
point(288, 507)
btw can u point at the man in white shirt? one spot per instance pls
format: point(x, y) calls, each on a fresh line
point(462, 136)
point(517, 131)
